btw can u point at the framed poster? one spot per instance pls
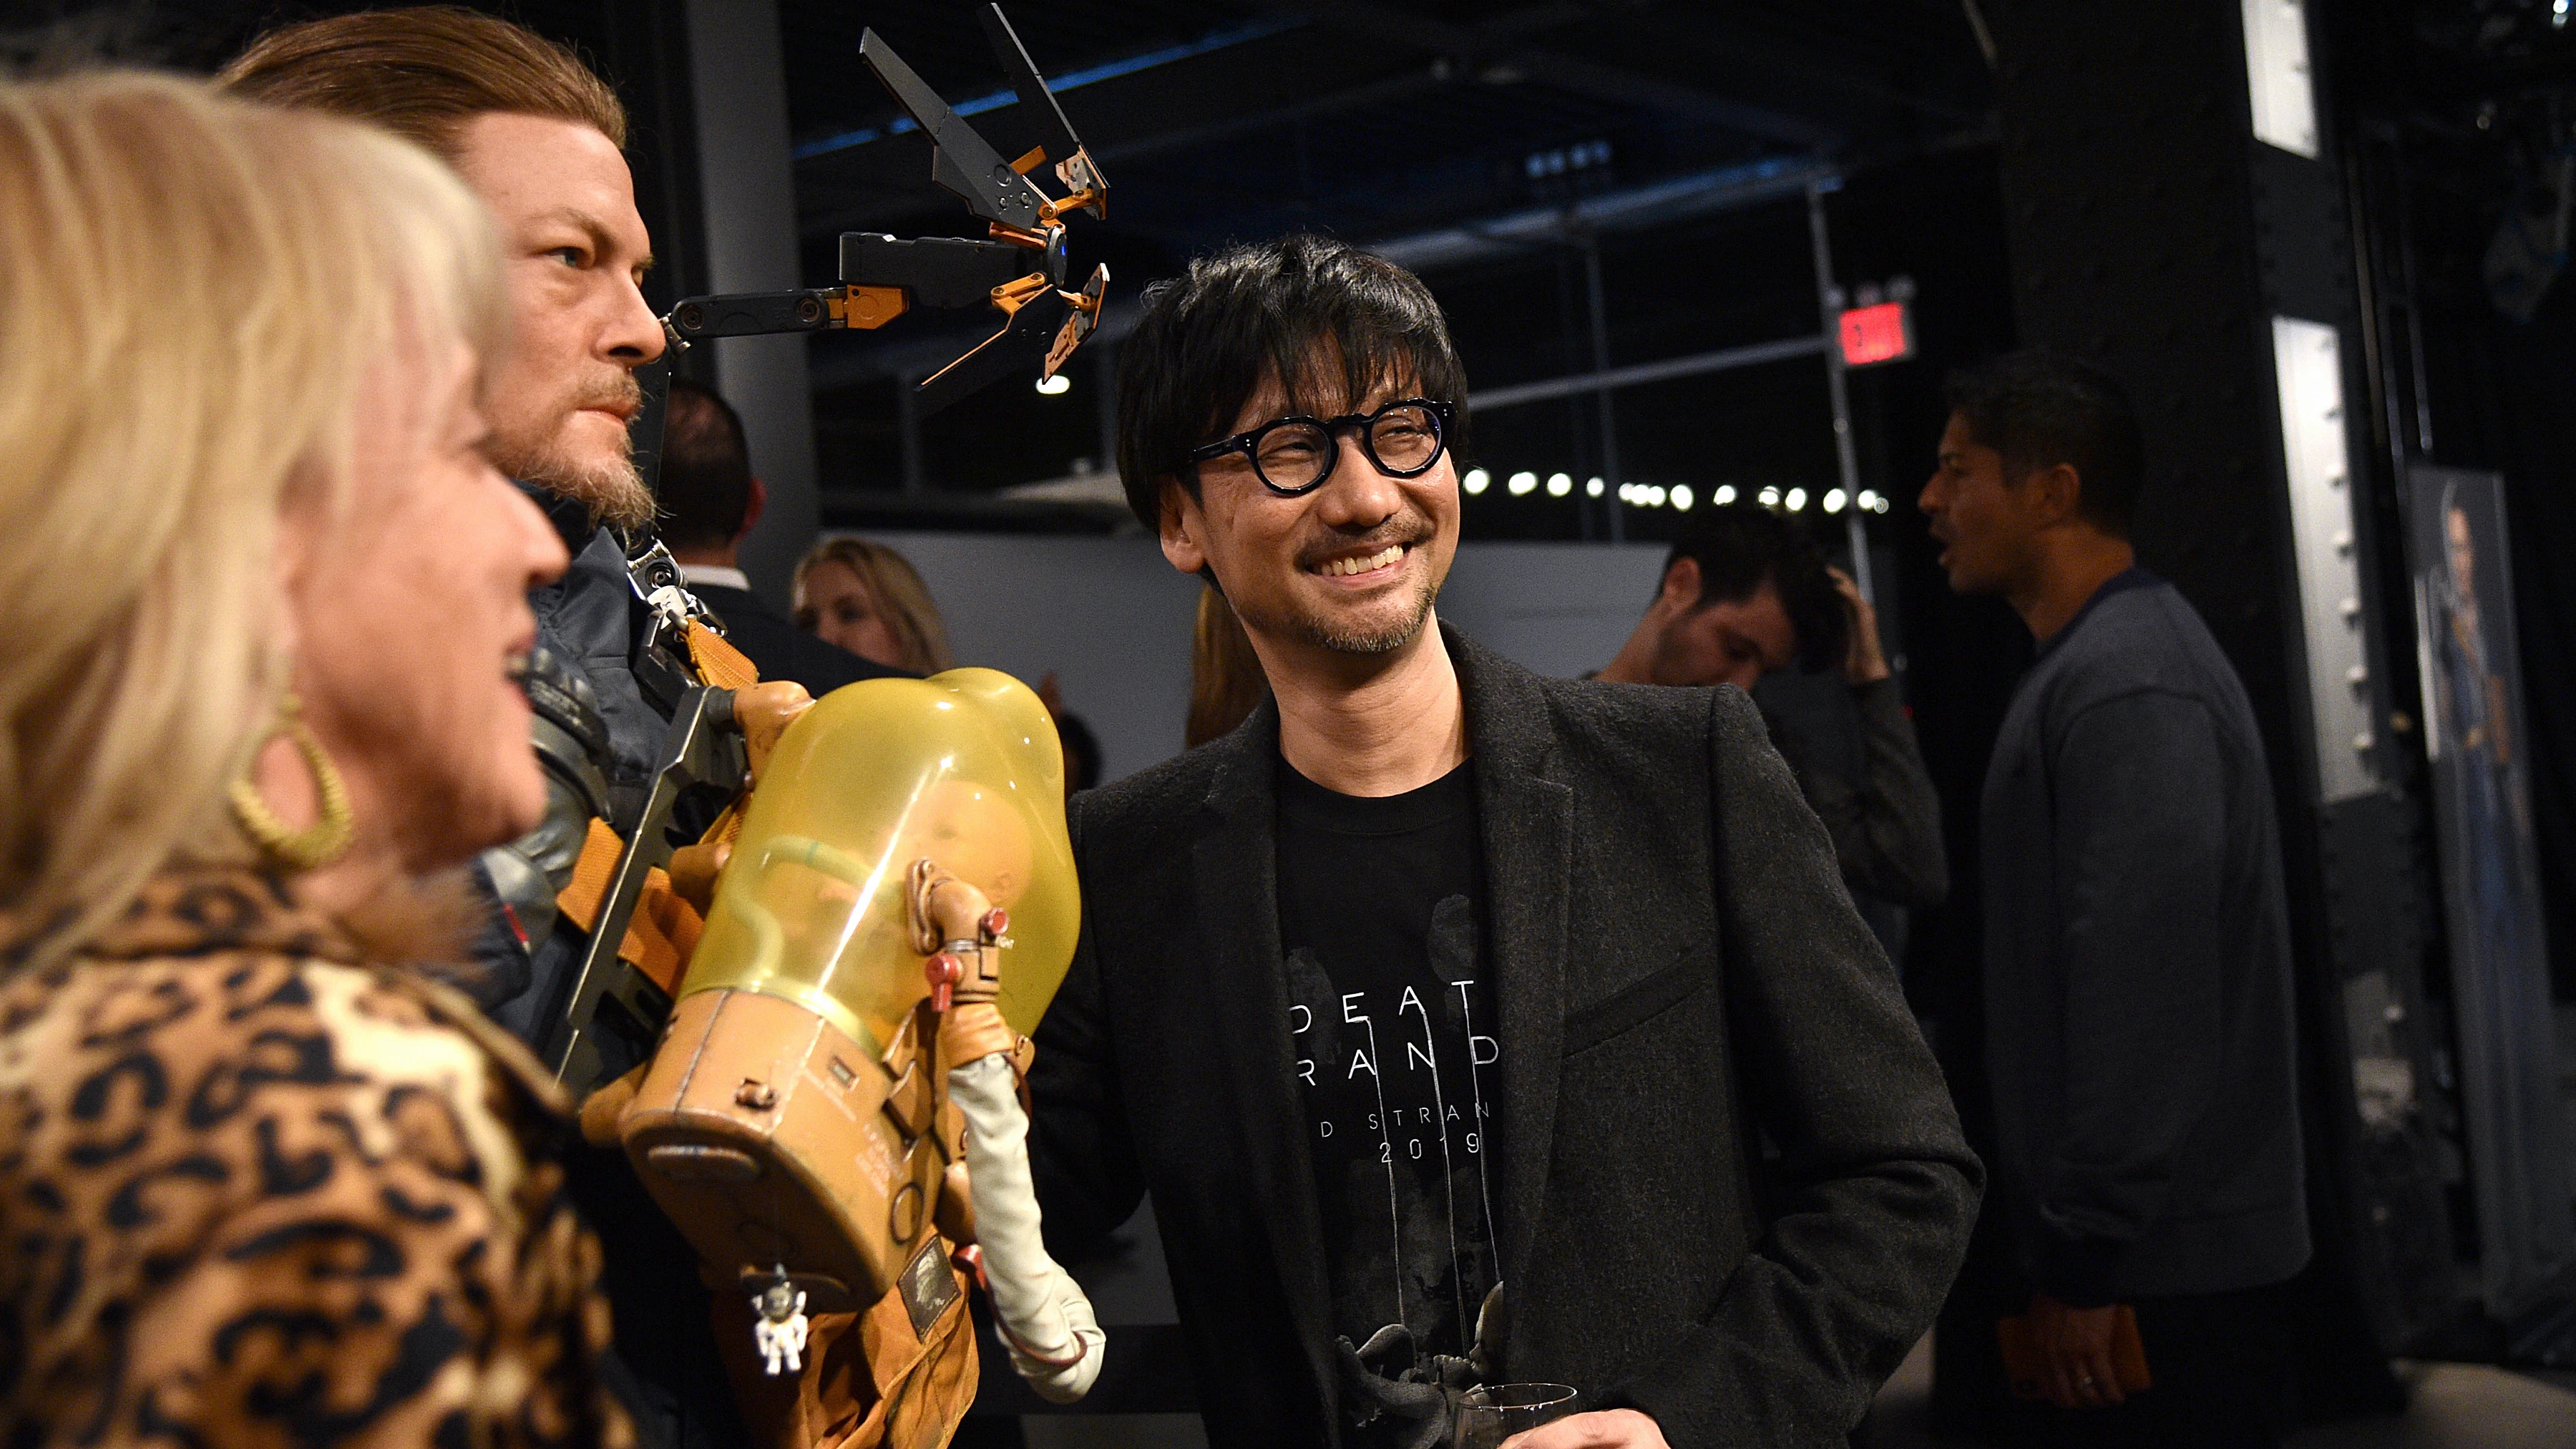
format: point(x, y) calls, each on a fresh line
point(2474, 736)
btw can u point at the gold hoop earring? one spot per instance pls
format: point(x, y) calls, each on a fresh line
point(317, 844)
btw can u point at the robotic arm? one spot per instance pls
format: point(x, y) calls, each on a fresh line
point(830, 1108)
point(1019, 271)
point(613, 1010)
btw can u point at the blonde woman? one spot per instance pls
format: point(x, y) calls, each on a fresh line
point(1226, 682)
point(262, 1185)
point(865, 597)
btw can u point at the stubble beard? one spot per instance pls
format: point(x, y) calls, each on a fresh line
point(610, 487)
point(1341, 639)
point(1322, 631)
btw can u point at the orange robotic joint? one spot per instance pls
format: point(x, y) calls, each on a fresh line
point(868, 308)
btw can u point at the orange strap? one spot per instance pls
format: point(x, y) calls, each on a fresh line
point(719, 663)
point(727, 828)
point(664, 928)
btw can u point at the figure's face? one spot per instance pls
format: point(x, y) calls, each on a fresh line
point(836, 606)
point(408, 617)
point(1732, 642)
point(976, 834)
point(565, 207)
point(1985, 525)
point(1352, 567)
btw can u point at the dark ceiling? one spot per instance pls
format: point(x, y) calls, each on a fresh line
point(1378, 122)
point(1372, 119)
point(1217, 120)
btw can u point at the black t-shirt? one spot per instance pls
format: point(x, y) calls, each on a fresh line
point(1381, 908)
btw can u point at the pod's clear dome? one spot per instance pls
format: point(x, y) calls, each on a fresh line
point(962, 768)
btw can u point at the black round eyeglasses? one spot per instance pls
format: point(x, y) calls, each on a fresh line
point(1294, 455)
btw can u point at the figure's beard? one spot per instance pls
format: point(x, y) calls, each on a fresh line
point(610, 487)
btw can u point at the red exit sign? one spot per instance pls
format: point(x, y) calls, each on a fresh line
point(1882, 333)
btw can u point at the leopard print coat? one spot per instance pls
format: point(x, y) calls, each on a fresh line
point(257, 1191)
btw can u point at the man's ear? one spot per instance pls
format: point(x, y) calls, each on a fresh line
point(2055, 494)
point(1681, 586)
point(1183, 527)
point(751, 509)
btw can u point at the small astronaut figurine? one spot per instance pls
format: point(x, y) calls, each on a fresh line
point(780, 1332)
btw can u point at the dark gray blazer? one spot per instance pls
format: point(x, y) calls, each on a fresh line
point(1677, 969)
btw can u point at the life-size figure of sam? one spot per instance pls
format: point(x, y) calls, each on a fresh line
point(1436, 977)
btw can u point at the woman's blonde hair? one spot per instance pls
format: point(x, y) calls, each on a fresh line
point(193, 290)
point(896, 591)
point(1226, 681)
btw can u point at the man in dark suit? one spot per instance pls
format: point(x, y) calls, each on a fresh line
point(1447, 1011)
point(709, 501)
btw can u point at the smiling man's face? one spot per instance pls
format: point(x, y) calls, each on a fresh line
point(1350, 568)
point(564, 204)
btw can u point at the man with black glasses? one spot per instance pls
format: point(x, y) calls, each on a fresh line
point(1442, 1007)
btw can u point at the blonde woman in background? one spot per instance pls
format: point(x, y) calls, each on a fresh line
point(262, 1184)
point(1226, 682)
point(866, 598)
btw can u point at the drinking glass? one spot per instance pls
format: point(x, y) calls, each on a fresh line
point(1489, 1415)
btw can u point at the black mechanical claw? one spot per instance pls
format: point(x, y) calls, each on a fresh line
point(1024, 341)
point(960, 160)
point(1073, 164)
point(938, 271)
point(1086, 316)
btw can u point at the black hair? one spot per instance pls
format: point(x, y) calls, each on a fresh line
point(706, 468)
point(1739, 547)
point(1209, 339)
point(2039, 409)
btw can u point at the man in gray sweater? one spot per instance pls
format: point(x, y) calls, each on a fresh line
point(2138, 988)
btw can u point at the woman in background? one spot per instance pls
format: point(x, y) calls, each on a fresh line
point(1226, 682)
point(865, 597)
point(263, 1184)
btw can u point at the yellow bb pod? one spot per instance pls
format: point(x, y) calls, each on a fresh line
point(963, 769)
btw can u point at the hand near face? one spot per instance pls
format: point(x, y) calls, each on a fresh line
point(1604, 1429)
point(2075, 1370)
point(1864, 662)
